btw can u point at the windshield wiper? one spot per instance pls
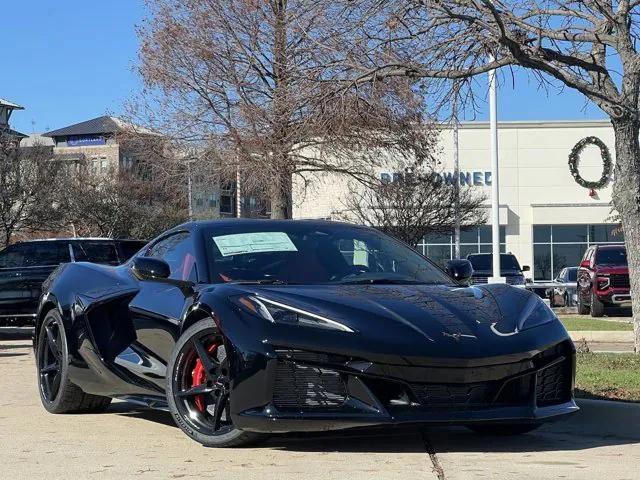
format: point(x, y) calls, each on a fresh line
point(264, 281)
point(380, 281)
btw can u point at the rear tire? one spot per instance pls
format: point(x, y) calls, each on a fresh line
point(597, 307)
point(57, 393)
point(582, 308)
point(504, 430)
point(206, 416)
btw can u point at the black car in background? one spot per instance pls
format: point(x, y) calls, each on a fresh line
point(248, 327)
point(25, 265)
point(509, 268)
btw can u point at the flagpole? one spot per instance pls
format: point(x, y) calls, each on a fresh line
point(495, 177)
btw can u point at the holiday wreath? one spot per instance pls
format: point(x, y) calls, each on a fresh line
point(574, 160)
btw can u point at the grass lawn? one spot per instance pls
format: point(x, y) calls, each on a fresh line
point(614, 376)
point(581, 324)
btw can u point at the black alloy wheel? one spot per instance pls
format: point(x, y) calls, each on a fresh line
point(50, 359)
point(57, 393)
point(199, 388)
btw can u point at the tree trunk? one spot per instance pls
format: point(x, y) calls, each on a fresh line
point(626, 198)
point(281, 196)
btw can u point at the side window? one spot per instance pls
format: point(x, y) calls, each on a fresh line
point(177, 250)
point(95, 252)
point(47, 253)
point(12, 257)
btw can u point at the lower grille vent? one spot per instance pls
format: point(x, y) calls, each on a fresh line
point(307, 388)
point(553, 384)
point(453, 395)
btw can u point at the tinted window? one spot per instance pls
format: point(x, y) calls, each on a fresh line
point(35, 254)
point(485, 262)
point(611, 256)
point(571, 275)
point(129, 249)
point(177, 250)
point(95, 252)
point(308, 253)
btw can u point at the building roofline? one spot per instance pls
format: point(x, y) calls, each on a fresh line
point(514, 124)
point(7, 103)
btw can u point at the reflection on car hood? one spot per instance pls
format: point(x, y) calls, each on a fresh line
point(431, 311)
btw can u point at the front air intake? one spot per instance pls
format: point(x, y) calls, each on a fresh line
point(307, 388)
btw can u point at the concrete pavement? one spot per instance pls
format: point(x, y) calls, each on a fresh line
point(601, 441)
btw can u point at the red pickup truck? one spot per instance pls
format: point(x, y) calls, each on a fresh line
point(603, 280)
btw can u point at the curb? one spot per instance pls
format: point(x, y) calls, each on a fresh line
point(604, 336)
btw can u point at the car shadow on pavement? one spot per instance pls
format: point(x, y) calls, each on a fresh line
point(598, 424)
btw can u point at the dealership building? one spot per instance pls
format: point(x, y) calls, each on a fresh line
point(546, 219)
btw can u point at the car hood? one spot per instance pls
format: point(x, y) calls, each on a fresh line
point(503, 273)
point(611, 270)
point(433, 314)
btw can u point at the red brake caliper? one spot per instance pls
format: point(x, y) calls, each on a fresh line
point(199, 376)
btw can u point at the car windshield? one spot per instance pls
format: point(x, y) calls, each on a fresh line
point(311, 253)
point(484, 262)
point(611, 256)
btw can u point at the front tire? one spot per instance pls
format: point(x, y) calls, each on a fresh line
point(199, 388)
point(582, 308)
point(597, 307)
point(57, 393)
point(503, 430)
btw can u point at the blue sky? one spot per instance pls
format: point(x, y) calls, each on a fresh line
point(72, 60)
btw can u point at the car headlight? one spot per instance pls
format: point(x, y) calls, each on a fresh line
point(535, 313)
point(277, 312)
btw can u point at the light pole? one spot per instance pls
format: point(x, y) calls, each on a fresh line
point(456, 168)
point(495, 177)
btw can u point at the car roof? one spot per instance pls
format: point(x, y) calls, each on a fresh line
point(489, 254)
point(75, 239)
point(223, 222)
point(609, 247)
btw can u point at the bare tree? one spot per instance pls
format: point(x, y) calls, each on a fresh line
point(587, 45)
point(246, 80)
point(29, 202)
point(121, 205)
point(414, 203)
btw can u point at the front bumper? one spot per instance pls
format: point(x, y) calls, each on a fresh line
point(309, 391)
point(619, 297)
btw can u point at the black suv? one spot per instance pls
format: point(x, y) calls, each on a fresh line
point(25, 265)
point(509, 268)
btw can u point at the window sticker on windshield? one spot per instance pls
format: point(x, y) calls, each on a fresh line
point(242, 243)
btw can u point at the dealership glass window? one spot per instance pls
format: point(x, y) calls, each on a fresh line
point(441, 247)
point(558, 246)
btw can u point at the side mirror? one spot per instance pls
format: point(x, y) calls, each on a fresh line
point(459, 270)
point(156, 270)
point(148, 268)
point(526, 268)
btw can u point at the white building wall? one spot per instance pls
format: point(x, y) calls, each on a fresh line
point(536, 186)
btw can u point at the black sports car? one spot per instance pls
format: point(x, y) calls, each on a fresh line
point(247, 327)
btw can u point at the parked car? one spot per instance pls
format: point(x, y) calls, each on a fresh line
point(25, 265)
point(247, 327)
point(603, 280)
point(562, 295)
point(509, 268)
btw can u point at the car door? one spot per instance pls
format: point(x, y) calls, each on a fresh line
point(23, 268)
point(157, 308)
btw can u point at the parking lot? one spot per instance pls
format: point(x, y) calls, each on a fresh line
point(601, 441)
